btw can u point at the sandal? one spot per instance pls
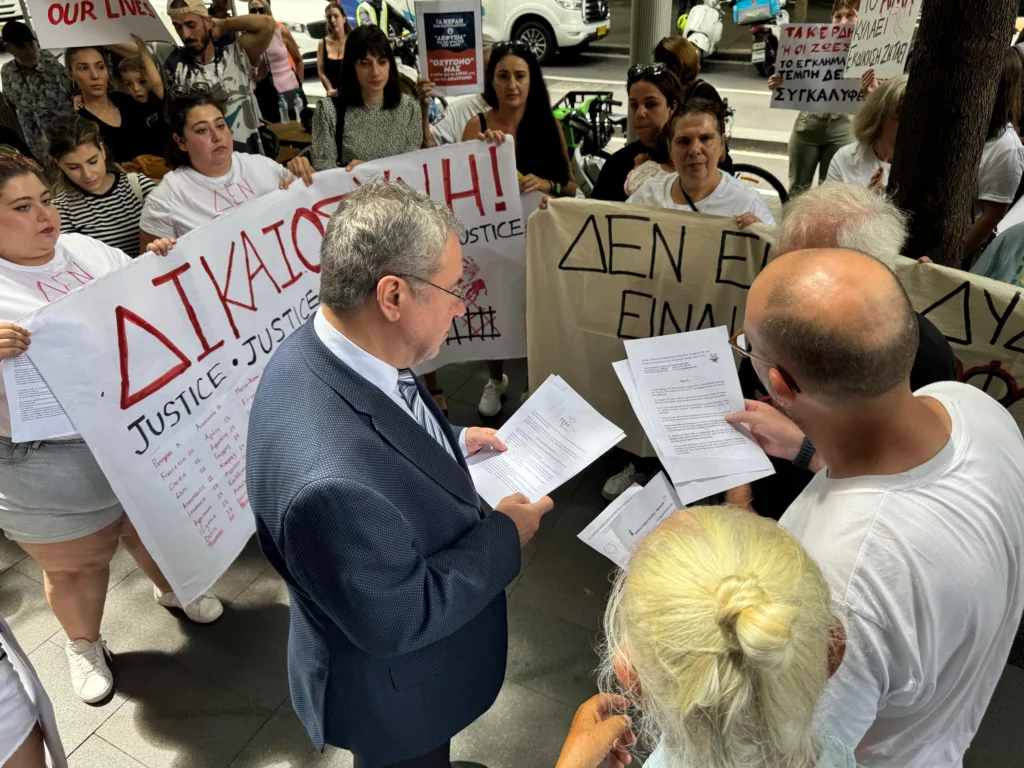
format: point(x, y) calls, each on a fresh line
point(438, 396)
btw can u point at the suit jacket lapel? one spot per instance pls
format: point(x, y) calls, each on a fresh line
point(403, 433)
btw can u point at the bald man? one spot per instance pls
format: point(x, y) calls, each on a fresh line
point(918, 520)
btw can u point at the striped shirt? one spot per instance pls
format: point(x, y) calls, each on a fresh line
point(111, 218)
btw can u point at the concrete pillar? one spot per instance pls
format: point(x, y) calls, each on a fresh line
point(649, 22)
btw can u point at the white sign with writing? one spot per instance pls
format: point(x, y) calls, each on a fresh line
point(881, 37)
point(95, 22)
point(157, 365)
point(451, 45)
point(812, 60)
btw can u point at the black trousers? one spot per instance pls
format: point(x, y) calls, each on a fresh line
point(439, 758)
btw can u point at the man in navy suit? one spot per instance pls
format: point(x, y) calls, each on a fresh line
point(364, 504)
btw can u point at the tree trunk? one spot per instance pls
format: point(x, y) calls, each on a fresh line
point(954, 75)
point(800, 11)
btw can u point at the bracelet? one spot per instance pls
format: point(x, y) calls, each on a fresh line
point(805, 454)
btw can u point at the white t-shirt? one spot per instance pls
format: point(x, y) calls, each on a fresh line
point(925, 569)
point(643, 173)
point(77, 261)
point(730, 198)
point(855, 164)
point(460, 110)
point(1002, 164)
point(186, 199)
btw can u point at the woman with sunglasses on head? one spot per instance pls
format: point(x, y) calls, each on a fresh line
point(521, 108)
point(124, 123)
point(96, 199)
point(330, 53)
point(654, 95)
point(817, 137)
point(371, 118)
point(54, 499)
point(209, 177)
point(286, 68)
point(697, 146)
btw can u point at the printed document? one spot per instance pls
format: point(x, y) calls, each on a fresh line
point(35, 412)
point(616, 532)
point(552, 437)
point(686, 383)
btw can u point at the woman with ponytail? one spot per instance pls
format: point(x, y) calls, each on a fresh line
point(721, 633)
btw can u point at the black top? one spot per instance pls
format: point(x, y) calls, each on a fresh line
point(12, 143)
point(772, 495)
point(142, 130)
point(611, 182)
point(332, 68)
point(536, 162)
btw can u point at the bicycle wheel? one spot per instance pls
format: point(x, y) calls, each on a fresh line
point(769, 187)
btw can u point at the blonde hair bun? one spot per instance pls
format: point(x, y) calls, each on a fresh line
point(751, 622)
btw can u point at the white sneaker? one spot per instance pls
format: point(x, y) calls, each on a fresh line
point(90, 676)
point(203, 610)
point(490, 400)
point(616, 484)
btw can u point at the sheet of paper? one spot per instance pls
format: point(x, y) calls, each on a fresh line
point(616, 532)
point(692, 490)
point(552, 437)
point(35, 412)
point(686, 383)
point(599, 534)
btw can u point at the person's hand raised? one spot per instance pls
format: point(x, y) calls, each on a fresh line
point(524, 514)
point(597, 736)
point(13, 340)
point(492, 136)
point(744, 220)
point(868, 82)
point(775, 81)
point(771, 428)
point(301, 167)
point(424, 91)
point(161, 246)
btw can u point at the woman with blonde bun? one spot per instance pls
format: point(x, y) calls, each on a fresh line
point(721, 633)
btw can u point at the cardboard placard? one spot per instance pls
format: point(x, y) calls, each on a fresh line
point(451, 45)
point(812, 60)
point(881, 37)
point(95, 22)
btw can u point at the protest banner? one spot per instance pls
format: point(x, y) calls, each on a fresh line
point(157, 365)
point(881, 37)
point(599, 273)
point(983, 320)
point(451, 45)
point(812, 58)
point(95, 22)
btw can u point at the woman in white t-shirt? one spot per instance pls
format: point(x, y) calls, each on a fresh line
point(208, 178)
point(697, 146)
point(54, 499)
point(866, 162)
point(1002, 158)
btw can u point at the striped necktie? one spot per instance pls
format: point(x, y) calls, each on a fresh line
point(411, 395)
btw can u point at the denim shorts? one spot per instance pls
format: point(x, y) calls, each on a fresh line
point(53, 491)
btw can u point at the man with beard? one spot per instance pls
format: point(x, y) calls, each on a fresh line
point(364, 503)
point(221, 55)
point(917, 519)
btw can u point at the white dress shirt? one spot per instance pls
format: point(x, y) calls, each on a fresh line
point(373, 369)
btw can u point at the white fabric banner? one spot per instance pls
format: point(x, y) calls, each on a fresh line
point(157, 365)
point(881, 37)
point(95, 22)
point(811, 61)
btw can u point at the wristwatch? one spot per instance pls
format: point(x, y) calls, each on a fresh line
point(804, 455)
point(558, 189)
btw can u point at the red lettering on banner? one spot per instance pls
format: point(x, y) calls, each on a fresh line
point(88, 9)
point(308, 215)
point(318, 207)
point(276, 229)
point(250, 273)
point(474, 192)
point(110, 11)
point(499, 206)
point(175, 276)
point(129, 398)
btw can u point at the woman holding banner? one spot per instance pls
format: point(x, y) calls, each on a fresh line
point(654, 95)
point(817, 137)
point(208, 176)
point(54, 499)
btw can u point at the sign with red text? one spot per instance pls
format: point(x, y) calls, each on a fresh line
point(157, 365)
point(882, 36)
point(451, 45)
point(95, 22)
point(811, 63)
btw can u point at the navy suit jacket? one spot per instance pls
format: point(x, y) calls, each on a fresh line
point(397, 580)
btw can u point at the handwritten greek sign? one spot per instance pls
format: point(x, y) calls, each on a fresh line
point(881, 37)
point(95, 22)
point(157, 364)
point(451, 45)
point(812, 60)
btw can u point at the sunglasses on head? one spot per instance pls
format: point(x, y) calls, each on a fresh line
point(518, 47)
point(258, 10)
point(644, 72)
point(189, 90)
